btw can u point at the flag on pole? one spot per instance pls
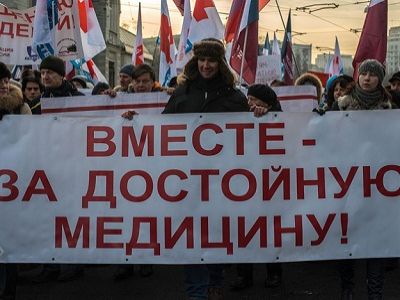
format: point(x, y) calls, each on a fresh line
point(287, 53)
point(45, 26)
point(92, 38)
point(373, 40)
point(276, 50)
point(206, 23)
point(137, 55)
point(235, 16)
point(336, 64)
point(167, 47)
point(267, 46)
point(183, 52)
point(245, 46)
point(234, 19)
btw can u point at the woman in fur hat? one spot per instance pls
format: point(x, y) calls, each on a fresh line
point(206, 85)
point(310, 79)
point(11, 99)
point(367, 94)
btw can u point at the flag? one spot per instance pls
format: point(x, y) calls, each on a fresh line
point(235, 16)
point(234, 19)
point(336, 64)
point(91, 35)
point(206, 23)
point(45, 26)
point(94, 72)
point(373, 40)
point(167, 47)
point(88, 69)
point(267, 46)
point(137, 55)
point(276, 50)
point(183, 55)
point(245, 45)
point(287, 53)
point(180, 5)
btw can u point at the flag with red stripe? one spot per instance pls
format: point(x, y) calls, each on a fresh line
point(137, 55)
point(245, 45)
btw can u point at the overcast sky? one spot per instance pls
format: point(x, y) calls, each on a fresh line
point(319, 28)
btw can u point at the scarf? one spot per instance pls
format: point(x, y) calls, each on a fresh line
point(367, 100)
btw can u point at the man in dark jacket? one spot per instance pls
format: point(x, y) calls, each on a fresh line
point(206, 85)
point(52, 70)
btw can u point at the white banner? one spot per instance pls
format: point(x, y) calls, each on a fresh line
point(16, 31)
point(292, 99)
point(269, 68)
point(143, 103)
point(210, 188)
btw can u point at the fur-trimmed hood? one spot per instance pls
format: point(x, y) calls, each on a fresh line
point(348, 102)
point(308, 78)
point(13, 101)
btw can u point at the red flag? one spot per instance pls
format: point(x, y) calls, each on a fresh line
point(287, 53)
point(235, 16)
point(373, 40)
point(245, 52)
point(138, 55)
point(180, 4)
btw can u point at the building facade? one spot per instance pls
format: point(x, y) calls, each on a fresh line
point(393, 50)
point(19, 4)
point(322, 60)
point(302, 56)
point(109, 61)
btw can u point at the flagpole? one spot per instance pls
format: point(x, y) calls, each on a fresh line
point(284, 27)
point(155, 48)
point(54, 28)
point(243, 56)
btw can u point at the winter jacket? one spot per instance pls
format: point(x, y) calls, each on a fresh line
point(202, 95)
point(65, 90)
point(13, 103)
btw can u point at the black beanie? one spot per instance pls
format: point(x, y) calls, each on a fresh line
point(264, 93)
point(53, 63)
point(4, 71)
point(128, 70)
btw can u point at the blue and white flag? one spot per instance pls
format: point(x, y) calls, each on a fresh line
point(45, 23)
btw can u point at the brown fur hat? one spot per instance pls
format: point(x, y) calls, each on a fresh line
point(12, 101)
point(310, 79)
point(212, 48)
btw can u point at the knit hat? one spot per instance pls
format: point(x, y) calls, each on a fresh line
point(4, 71)
point(53, 63)
point(264, 93)
point(80, 79)
point(373, 66)
point(128, 70)
point(209, 48)
point(396, 76)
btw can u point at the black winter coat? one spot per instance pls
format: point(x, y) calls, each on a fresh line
point(202, 95)
point(65, 90)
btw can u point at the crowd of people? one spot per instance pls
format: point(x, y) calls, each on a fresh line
point(206, 85)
